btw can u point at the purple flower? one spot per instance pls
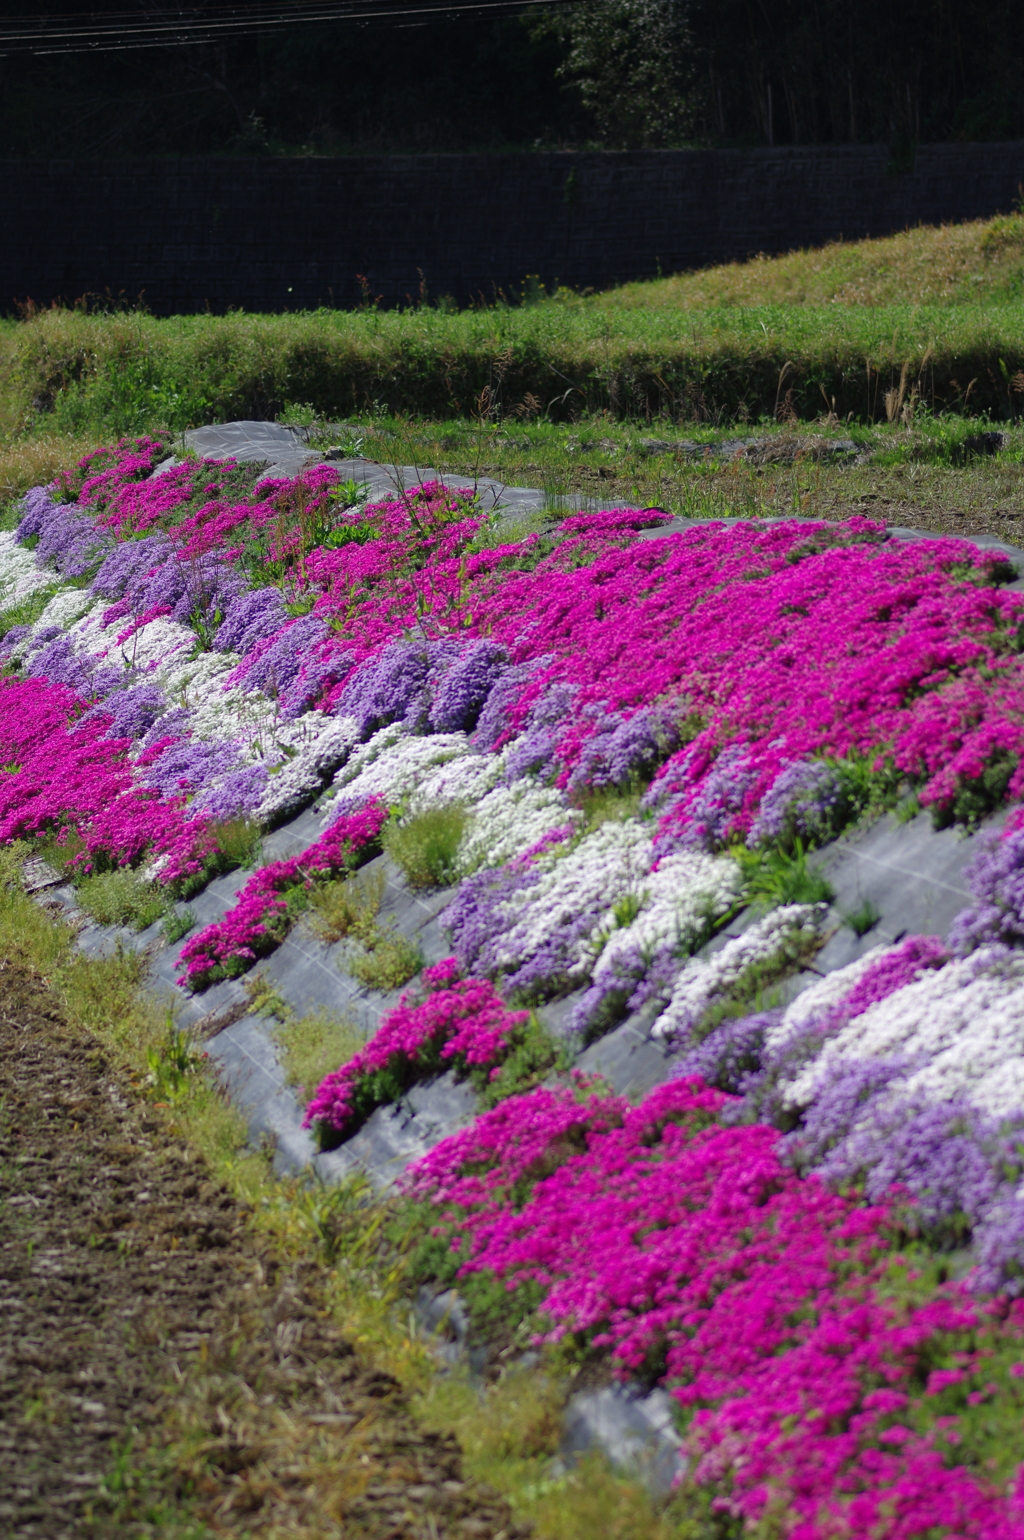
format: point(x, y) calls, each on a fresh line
point(188, 764)
point(623, 747)
point(132, 711)
point(250, 618)
point(37, 508)
point(533, 752)
point(729, 1053)
point(999, 1243)
point(710, 810)
point(70, 541)
point(496, 716)
point(128, 564)
point(58, 662)
point(394, 685)
point(635, 978)
point(996, 878)
point(290, 666)
point(239, 794)
point(13, 637)
point(463, 689)
point(804, 801)
point(474, 919)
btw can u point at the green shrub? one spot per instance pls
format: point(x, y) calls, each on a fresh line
point(314, 1045)
point(121, 897)
point(773, 877)
point(426, 847)
point(348, 906)
point(386, 961)
point(864, 918)
point(177, 926)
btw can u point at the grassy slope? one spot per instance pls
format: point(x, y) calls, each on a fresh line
point(844, 324)
point(950, 265)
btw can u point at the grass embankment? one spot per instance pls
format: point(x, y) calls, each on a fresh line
point(228, 1399)
point(979, 262)
point(864, 329)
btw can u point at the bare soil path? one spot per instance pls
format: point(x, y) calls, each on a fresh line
point(161, 1371)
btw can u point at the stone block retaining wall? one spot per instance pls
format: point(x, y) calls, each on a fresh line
point(280, 234)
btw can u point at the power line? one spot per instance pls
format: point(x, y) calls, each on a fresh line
point(116, 30)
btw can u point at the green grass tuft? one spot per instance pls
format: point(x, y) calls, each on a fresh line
point(426, 847)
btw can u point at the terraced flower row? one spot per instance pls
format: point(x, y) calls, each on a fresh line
point(609, 745)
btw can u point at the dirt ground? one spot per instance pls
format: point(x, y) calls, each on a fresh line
point(161, 1371)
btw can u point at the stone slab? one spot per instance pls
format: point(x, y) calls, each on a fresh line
point(636, 1432)
point(399, 1134)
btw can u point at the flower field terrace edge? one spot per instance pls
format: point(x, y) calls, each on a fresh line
point(616, 728)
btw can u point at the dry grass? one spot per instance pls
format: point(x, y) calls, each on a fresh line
point(952, 264)
point(28, 462)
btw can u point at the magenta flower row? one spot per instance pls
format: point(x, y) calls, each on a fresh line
point(766, 1302)
point(460, 1024)
point(253, 924)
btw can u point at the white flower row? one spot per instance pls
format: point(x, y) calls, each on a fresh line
point(771, 942)
point(686, 891)
point(820, 997)
point(66, 606)
point(466, 780)
point(603, 866)
point(964, 1021)
point(300, 778)
point(510, 820)
point(390, 765)
point(19, 575)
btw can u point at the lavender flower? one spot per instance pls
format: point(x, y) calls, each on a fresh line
point(132, 710)
point(730, 1053)
point(996, 878)
point(236, 796)
point(187, 765)
point(289, 665)
point(70, 541)
point(999, 1243)
point(710, 813)
point(394, 686)
point(804, 801)
point(37, 508)
point(128, 564)
point(495, 718)
point(462, 690)
point(250, 618)
point(623, 747)
point(176, 723)
point(534, 751)
point(58, 662)
point(475, 919)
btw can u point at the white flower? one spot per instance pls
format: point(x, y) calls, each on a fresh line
point(467, 779)
point(66, 607)
point(964, 1021)
point(822, 996)
point(300, 778)
point(778, 938)
point(676, 901)
point(390, 766)
point(508, 821)
point(604, 865)
point(19, 575)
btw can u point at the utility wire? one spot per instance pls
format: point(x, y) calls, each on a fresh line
point(116, 30)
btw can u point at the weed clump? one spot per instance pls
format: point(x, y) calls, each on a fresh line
point(426, 846)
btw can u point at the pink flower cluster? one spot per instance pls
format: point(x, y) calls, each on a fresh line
point(102, 475)
point(790, 641)
point(462, 1024)
point(255, 924)
point(58, 774)
point(695, 1255)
